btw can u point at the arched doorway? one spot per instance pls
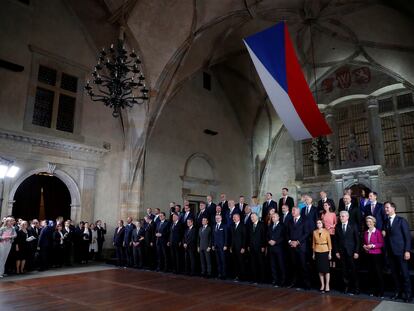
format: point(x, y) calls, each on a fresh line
point(42, 196)
point(359, 191)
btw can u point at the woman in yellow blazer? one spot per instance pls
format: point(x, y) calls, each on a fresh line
point(322, 248)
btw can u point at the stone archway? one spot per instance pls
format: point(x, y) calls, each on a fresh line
point(70, 183)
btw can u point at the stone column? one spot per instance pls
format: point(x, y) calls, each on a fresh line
point(88, 194)
point(375, 132)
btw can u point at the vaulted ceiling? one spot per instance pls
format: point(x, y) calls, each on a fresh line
point(177, 38)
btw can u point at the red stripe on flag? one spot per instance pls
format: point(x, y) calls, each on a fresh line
point(300, 94)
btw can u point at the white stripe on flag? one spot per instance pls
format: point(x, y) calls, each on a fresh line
point(280, 100)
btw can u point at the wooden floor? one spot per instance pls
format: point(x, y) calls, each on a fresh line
point(125, 289)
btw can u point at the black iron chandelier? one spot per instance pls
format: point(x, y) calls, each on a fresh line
point(118, 79)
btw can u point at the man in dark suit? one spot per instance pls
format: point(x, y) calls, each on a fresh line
point(174, 243)
point(67, 243)
point(186, 214)
point(268, 205)
point(257, 247)
point(220, 243)
point(211, 206)
point(321, 202)
point(341, 204)
point(201, 214)
point(247, 221)
point(298, 232)
point(224, 216)
point(285, 200)
point(33, 230)
point(398, 246)
point(129, 228)
point(276, 237)
point(190, 247)
point(375, 209)
point(44, 245)
point(310, 212)
point(157, 216)
point(237, 246)
point(161, 235)
point(241, 205)
point(347, 247)
point(232, 210)
point(100, 231)
point(353, 210)
point(118, 242)
point(150, 214)
point(286, 215)
point(204, 248)
point(224, 203)
point(149, 238)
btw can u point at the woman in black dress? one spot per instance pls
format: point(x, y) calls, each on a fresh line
point(58, 240)
point(22, 247)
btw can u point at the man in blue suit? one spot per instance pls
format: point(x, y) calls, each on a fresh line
point(220, 242)
point(310, 212)
point(298, 235)
point(398, 245)
point(129, 228)
point(162, 233)
point(375, 209)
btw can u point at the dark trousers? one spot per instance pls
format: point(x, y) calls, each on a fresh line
point(138, 256)
point(58, 255)
point(100, 247)
point(85, 251)
point(349, 272)
point(150, 257)
point(175, 257)
point(44, 258)
point(221, 261)
point(190, 260)
point(120, 255)
point(162, 259)
point(375, 271)
point(129, 255)
point(257, 265)
point(300, 268)
point(205, 260)
point(277, 263)
point(67, 254)
point(238, 263)
point(400, 274)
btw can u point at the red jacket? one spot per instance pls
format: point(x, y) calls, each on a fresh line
point(376, 239)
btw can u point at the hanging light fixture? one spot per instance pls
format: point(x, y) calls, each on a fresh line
point(117, 79)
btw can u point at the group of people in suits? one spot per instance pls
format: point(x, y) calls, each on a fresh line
point(279, 242)
point(26, 246)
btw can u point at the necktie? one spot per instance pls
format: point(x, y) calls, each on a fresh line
point(274, 226)
point(254, 227)
point(343, 228)
point(307, 210)
point(217, 226)
point(372, 208)
point(284, 201)
point(296, 220)
point(390, 221)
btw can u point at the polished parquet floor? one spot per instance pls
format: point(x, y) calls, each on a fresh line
point(127, 289)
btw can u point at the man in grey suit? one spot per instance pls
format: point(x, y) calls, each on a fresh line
point(204, 247)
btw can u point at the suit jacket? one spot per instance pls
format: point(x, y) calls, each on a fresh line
point(330, 201)
point(200, 217)
point(224, 206)
point(257, 237)
point(183, 219)
point(137, 235)
point(119, 236)
point(237, 237)
point(286, 219)
point(267, 207)
point(190, 238)
point(289, 202)
point(220, 236)
point(247, 221)
point(45, 237)
point(312, 216)
point(129, 228)
point(397, 236)
point(101, 234)
point(204, 238)
point(321, 241)
point(224, 218)
point(341, 204)
point(176, 234)
point(354, 214)
point(68, 235)
point(299, 231)
point(231, 213)
point(241, 208)
point(164, 229)
point(347, 243)
point(149, 234)
point(379, 214)
point(376, 239)
point(211, 209)
point(277, 234)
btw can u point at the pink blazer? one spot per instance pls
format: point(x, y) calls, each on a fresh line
point(376, 239)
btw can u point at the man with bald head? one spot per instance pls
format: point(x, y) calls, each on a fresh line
point(353, 211)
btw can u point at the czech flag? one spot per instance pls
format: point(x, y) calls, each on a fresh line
point(276, 63)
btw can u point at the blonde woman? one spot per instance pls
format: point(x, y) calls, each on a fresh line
point(322, 248)
point(7, 235)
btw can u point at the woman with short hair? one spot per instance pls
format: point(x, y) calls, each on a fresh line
point(373, 243)
point(322, 248)
point(7, 235)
